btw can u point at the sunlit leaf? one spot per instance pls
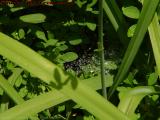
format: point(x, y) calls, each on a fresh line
point(75, 42)
point(131, 12)
point(33, 18)
point(69, 56)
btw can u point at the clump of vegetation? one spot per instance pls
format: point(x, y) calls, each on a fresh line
point(79, 60)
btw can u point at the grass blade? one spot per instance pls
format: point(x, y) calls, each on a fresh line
point(53, 75)
point(116, 18)
point(154, 32)
point(146, 16)
point(10, 90)
point(45, 101)
point(132, 97)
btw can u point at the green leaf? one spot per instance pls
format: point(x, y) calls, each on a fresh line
point(75, 41)
point(41, 35)
point(62, 47)
point(61, 108)
point(21, 33)
point(91, 26)
point(152, 78)
point(50, 42)
point(131, 30)
point(33, 18)
point(131, 12)
point(69, 56)
point(23, 92)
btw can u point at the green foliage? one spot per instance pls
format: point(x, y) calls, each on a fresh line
point(33, 18)
point(131, 12)
point(50, 65)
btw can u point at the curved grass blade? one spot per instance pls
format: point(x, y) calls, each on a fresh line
point(146, 16)
point(132, 97)
point(53, 75)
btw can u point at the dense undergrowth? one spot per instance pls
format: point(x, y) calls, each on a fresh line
point(67, 35)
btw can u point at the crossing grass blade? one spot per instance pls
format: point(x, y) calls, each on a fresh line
point(10, 90)
point(11, 80)
point(60, 81)
point(47, 100)
point(146, 16)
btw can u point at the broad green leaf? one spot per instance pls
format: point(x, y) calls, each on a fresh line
point(131, 12)
point(33, 18)
point(68, 57)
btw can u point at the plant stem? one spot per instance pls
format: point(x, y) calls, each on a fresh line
point(101, 47)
